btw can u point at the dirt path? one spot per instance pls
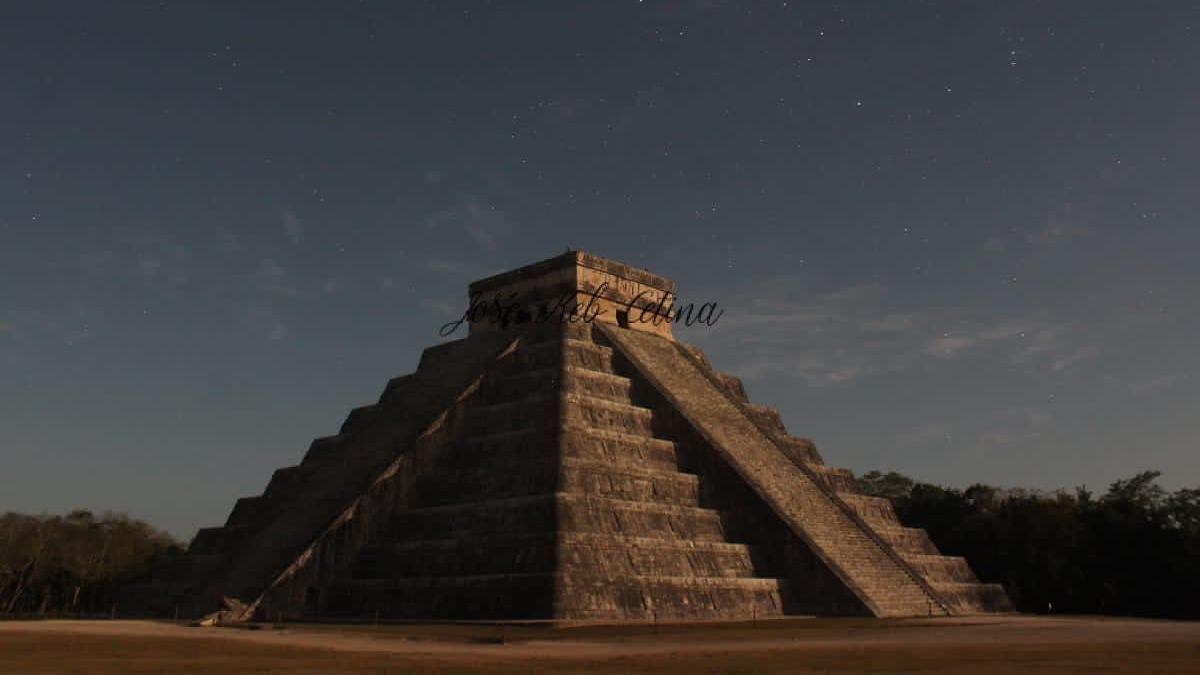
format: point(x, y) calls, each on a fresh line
point(694, 640)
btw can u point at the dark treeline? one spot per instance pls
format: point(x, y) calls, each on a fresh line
point(73, 564)
point(1134, 550)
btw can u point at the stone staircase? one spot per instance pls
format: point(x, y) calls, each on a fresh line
point(800, 494)
point(949, 576)
point(264, 533)
point(948, 579)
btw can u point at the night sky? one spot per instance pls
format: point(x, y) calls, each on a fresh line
point(953, 239)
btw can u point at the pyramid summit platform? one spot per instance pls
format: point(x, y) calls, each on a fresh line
point(551, 467)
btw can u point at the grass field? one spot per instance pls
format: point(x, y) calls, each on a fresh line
point(992, 645)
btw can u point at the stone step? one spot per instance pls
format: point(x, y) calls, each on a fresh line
point(587, 355)
point(974, 598)
point(941, 568)
point(597, 384)
point(619, 448)
point(582, 555)
point(838, 479)
point(474, 477)
point(570, 553)
point(896, 605)
point(472, 555)
point(457, 479)
point(536, 409)
point(733, 386)
point(571, 379)
point(569, 512)
point(799, 450)
point(907, 540)
point(544, 410)
point(288, 479)
point(629, 482)
point(618, 541)
point(535, 513)
point(576, 441)
point(520, 383)
point(509, 441)
point(211, 540)
point(477, 597)
point(767, 418)
point(325, 448)
point(661, 597)
point(396, 390)
point(533, 596)
point(343, 449)
point(877, 511)
point(556, 331)
point(584, 513)
point(599, 413)
point(246, 510)
point(565, 352)
point(359, 419)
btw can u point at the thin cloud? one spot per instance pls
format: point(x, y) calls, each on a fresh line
point(1067, 360)
point(443, 307)
point(265, 320)
point(1154, 384)
point(645, 102)
point(292, 226)
point(1065, 224)
point(475, 216)
point(951, 344)
point(458, 268)
point(1057, 232)
point(331, 286)
point(388, 283)
point(150, 266)
point(268, 285)
point(835, 338)
point(272, 278)
point(1003, 426)
point(863, 330)
point(481, 234)
point(996, 244)
point(155, 258)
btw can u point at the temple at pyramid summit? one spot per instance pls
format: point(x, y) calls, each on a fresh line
point(565, 458)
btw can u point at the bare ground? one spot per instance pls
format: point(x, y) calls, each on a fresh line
point(978, 645)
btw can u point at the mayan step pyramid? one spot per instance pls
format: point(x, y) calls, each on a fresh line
point(566, 460)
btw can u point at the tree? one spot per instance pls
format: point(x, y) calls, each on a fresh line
point(1183, 510)
point(1140, 493)
point(1135, 550)
point(891, 485)
point(73, 563)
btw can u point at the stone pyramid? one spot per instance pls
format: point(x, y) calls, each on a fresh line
point(559, 464)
